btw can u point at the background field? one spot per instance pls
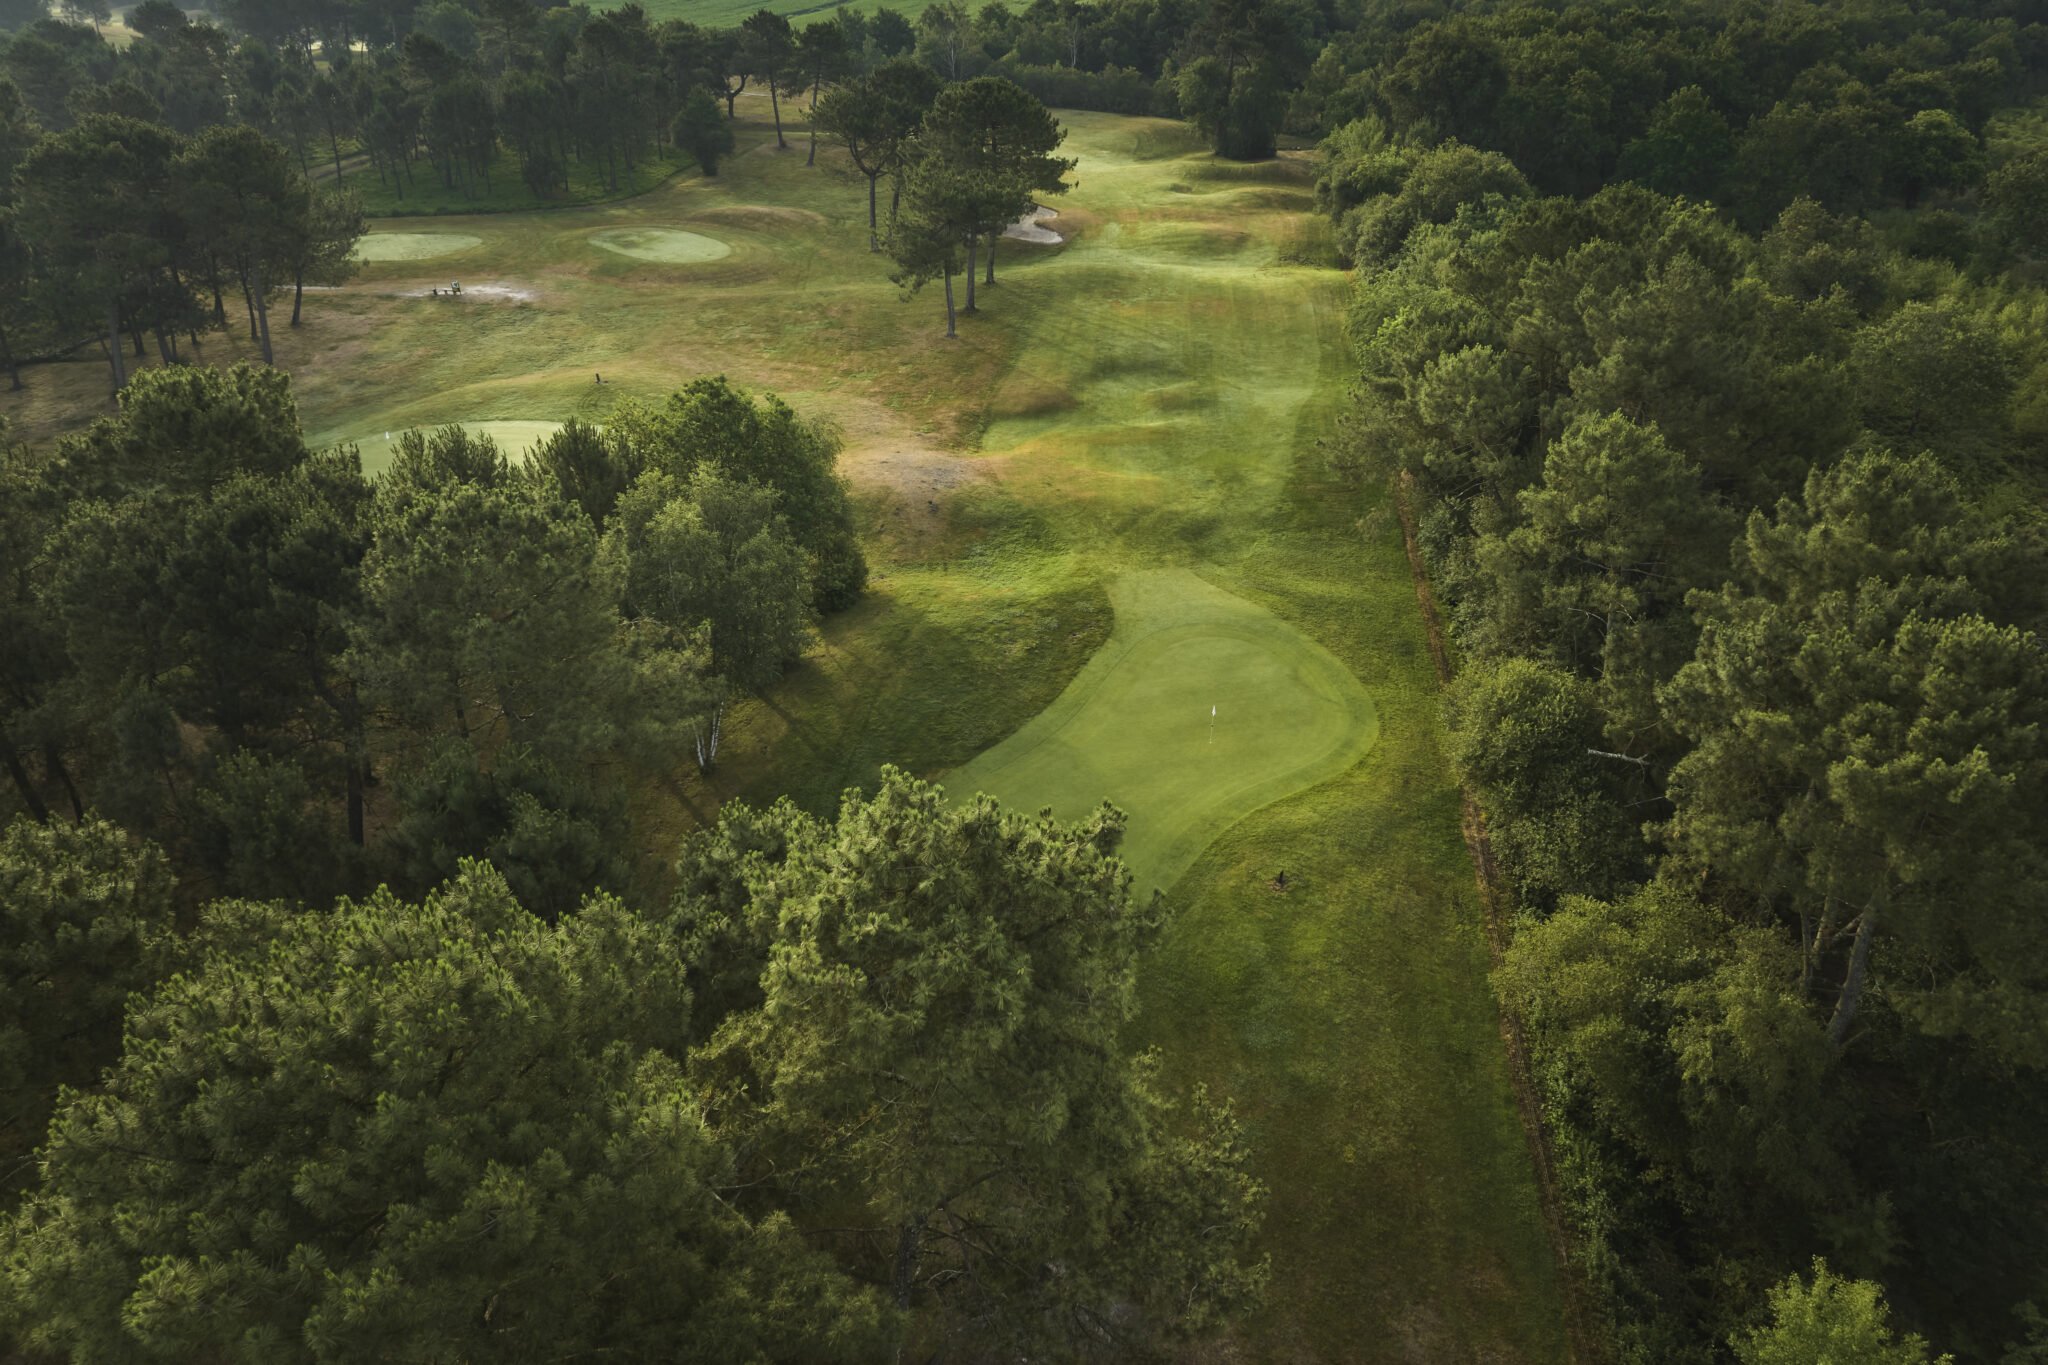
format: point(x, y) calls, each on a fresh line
point(1148, 397)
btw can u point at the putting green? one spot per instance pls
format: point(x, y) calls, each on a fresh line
point(377, 447)
point(666, 246)
point(1136, 724)
point(413, 246)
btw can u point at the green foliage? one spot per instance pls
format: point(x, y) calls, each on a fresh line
point(488, 611)
point(703, 132)
point(1430, 187)
point(85, 918)
point(936, 1046)
point(1525, 737)
point(1843, 1322)
point(458, 1131)
point(552, 843)
point(1867, 747)
point(710, 424)
point(715, 553)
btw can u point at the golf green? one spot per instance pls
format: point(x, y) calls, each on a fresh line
point(376, 447)
point(1201, 708)
point(664, 246)
point(413, 246)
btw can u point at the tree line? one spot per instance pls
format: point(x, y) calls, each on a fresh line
point(1731, 505)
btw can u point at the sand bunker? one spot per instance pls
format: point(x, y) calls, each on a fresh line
point(413, 246)
point(1027, 229)
point(664, 246)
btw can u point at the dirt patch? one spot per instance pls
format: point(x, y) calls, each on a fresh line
point(908, 471)
point(494, 292)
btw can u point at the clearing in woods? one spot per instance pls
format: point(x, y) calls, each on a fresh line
point(1127, 434)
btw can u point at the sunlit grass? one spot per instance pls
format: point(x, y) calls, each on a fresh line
point(1149, 396)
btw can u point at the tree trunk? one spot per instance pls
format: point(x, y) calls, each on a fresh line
point(1852, 984)
point(992, 257)
point(163, 349)
point(30, 797)
point(135, 335)
point(905, 1273)
point(973, 239)
point(812, 159)
point(249, 306)
point(298, 294)
point(895, 198)
point(951, 329)
point(54, 764)
point(775, 104)
point(707, 733)
point(114, 357)
point(355, 800)
point(874, 241)
point(263, 318)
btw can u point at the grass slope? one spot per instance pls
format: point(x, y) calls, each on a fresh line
point(1199, 710)
point(1145, 400)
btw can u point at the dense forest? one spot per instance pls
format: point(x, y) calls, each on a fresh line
point(1711, 344)
point(1706, 349)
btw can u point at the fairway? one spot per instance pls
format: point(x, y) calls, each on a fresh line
point(1102, 510)
point(666, 246)
point(1200, 709)
point(413, 246)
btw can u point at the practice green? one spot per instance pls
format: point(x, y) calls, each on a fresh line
point(1200, 709)
point(413, 246)
point(665, 246)
point(516, 439)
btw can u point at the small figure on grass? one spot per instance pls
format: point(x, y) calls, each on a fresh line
point(1280, 885)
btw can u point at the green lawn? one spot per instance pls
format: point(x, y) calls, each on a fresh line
point(1125, 433)
point(1200, 709)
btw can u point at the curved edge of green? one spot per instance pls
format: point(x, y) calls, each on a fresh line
point(1152, 604)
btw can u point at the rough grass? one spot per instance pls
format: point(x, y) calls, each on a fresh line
point(1119, 405)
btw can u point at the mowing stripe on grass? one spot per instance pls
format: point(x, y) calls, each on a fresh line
point(1201, 708)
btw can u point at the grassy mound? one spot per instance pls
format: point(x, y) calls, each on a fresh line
point(664, 246)
point(1202, 708)
point(413, 246)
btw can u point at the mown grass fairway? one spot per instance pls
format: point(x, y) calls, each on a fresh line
point(1199, 710)
point(1145, 401)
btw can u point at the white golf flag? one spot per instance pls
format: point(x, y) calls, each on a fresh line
point(1212, 713)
